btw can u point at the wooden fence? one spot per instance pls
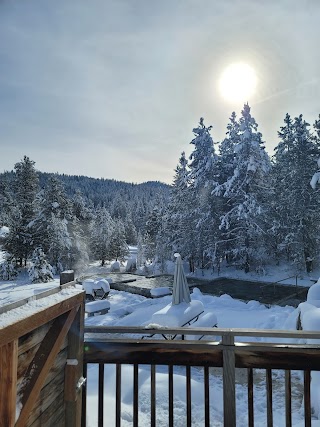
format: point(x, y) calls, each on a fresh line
point(103, 346)
point(41, 349)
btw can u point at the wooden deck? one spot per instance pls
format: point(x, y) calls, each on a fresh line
point(229, 352)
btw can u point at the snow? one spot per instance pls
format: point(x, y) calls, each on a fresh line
point(134, 310)
point(93, 306)
point(160, 292)
point(35, 306)
point(177, 315)
point(103, 284)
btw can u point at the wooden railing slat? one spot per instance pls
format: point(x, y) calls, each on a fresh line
point(153, 395)
point(135, 395)
point(84, 398)
point(188, 395)
point(269, 397)
point(170, 380)
point(100, 394)
point(288, 398)
point(250, 398)
point(118, 395)
point(307, 400)
point(206, 397)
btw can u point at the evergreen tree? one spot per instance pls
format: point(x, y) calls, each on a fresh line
point(8, 269)
point(101, 230)
point(20, 241)
point(118, 247)
point(203, 180)
point(40, 270)
point(246, 190)
point(177, 223)
point(297, 204)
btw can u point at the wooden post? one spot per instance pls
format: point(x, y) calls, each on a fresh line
point(229, 380)
point(8, 383)
point(66, 277)
point(73, 372)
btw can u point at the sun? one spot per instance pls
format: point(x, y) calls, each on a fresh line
point(238, 82)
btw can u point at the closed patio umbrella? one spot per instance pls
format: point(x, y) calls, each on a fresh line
point(180, 291)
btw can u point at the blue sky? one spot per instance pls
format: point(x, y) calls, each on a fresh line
point(113, 88)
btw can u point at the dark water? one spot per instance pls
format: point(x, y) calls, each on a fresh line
point(239, 289)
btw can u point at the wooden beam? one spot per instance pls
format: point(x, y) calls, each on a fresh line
point(42, 363)
point(74, 370)
point(153, 352)
point(34, 321)
point(8, 383)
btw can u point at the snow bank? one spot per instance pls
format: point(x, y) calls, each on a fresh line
point(177, 315)
point(95, 306)
point(160, 292)
point(313, 296)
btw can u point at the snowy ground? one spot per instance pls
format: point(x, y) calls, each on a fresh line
point(133, 310)
point(127, 309)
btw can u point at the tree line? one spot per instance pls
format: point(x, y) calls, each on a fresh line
point(50, 220)
point(231, 204)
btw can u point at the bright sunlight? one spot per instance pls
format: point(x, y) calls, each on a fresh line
point(238, 82)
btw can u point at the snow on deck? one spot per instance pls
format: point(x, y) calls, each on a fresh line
point(36, 306)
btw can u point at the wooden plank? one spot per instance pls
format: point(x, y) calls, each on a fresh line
point(153, 352)
point(32, 339)
point(291, 357)
point(43, 361)
point(24, 326)
point(26, 358)
point(8, 383)
point(307, 400)
point(47, 400)
point(206, 397)
point(170, 395)
point(188, 395)
point(153, 395)
point(229, 380)
point(100, 394)
point(250, 398)
point(288, 398)
point(84, 398)
point(52, 416)
point(74, 370)
point(269, 397)
point(234, 332)
point(118, 395)
point(135, 395)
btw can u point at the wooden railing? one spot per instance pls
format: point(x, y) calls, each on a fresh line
point(223, 348)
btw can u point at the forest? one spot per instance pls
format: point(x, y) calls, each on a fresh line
point(230, 203)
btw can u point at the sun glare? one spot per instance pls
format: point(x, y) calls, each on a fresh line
point(238, 82)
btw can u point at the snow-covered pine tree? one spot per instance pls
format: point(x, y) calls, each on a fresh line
point(298, 204)
point(101, 229)
point(8, 269)
point(203, 180)
point(118, 247)
point(50, 224)
point(244, 222)
point(20, 240)
point(59, 243)
point(177, 220)
point(226, 166)
point(279, 236)
point(40, 270)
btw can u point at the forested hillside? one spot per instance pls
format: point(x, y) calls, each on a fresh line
point(230, 204)
point(72, 218)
